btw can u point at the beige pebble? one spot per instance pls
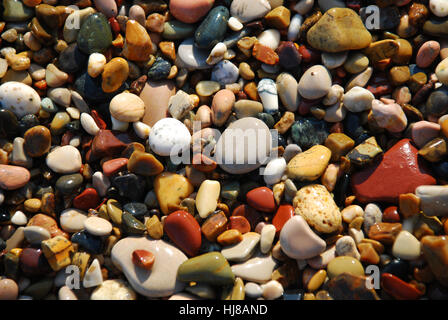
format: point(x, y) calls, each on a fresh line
point(207, 197)
point(127, 107)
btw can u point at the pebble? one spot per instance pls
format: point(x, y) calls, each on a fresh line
point(66, 159)
point(190, 11)
point(246, 11)
point(272, 290)
point(424, 131)
point(89, 124)
point(127, 107)
point(225, 72)
point(65, 293)
point(95, 34)
point(138, 45)
point(8, 289)
point(433, 199)
point(213, 28)
point(274, 171)
point(435, 250)
point(169, 135)
point(399, 173)
point(294, 27)
point(93, 276)
point(442, 71)
point(184, 231)
point(97, 226)
point(12, 96)
point(287, 89)
point(427, 53)
point(115, 289)
point(257, 269)
point(438, 8)
point(207, 197)
point(13, 177)
point(193, 57)
point(344, 264)
point(96, 64)
point(358, 99)
point(72, 220)
point(389, 116)
point(35, 234)
point(243, 250)
point(298, 241)
point(346, 246)
point(19, 218)
point(270, 38)
point(267, 91)
point(406, 246)
point(253, 290)
point(161, 280)
point(171, 189)
point(222, 104)
point(310, 164)
point(334, 60)
point(156, 109)
point(107, 7)
point(267, 238)
point(315, 83)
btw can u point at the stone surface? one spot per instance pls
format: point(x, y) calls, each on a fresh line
point(400, 171)
point(315, 83)
point(257, 269)
point(19, 98)
point(95, 34)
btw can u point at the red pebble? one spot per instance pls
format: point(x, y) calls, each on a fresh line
point(284, 213)
point(309, 55)
point(400, 171)
point(88, 199)
point(98, 120)
point(249, 213)
point(262, 199)
point(239, 223)
point(143, 259)
point(114, 166)
point(184, 231)
point(399, 289)
point(114, 25)
point(391, 214)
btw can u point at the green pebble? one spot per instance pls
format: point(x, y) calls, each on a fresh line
point(176, 30)
point(48, 105)
point(16, 11)
point(95, 34)
point(210, 268)
point(69, 183)
point(230, 190)
point(131, 225)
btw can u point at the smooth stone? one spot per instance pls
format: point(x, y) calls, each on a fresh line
point(180, 104)
point(247, 10)
point(225, 72)
point(161, 280)
point(438, 8)
point(442, 71)
point(316, 205)
point(398, 288)
point(177, 30)
point(270, 38)
point(131, 225)
point(308, 132)
point(72, 220)
point(272, 290)
point(71, 59)
point(424, 131)
point(190, 11)
point(184, 231)
point(334, 60)
point(267, 90)
point(95, 34)
point(247, 108)
point(19, 98)
point(261, 199)
point(406, 246)
point(245, 162)
point(65, 293)
point(310, 164)
point(207, 197)
point(252, 290)
point(400, 171)
point(60, 96)
point(115, 72)
point(19, 218)
point(222, 104)
point(156, 109)
point(9, 126)
point(66, 159)
point(107, 7)
point(344, 264)
point(35, 234)
point(97, 226)
point(127, 107)
point(257, 269)
point(389, 116)
point(9, 290)
point(434, 200)
point(358, 99)
point(169, 136)
point(19, 156)
point(243, 250)
point(171, 189)
point(213, 28)
point(93, 276)
point(339, 29)
point(427, 53)
point(192, 57)
point(115, 289)
point(346, 246)
point(315, 83)
point(274, 171)
point(298, 241)
point(347, 286)
point(37, 141)
point(13, 177)
point(159, 70)
point(210, 268)
point(335, 113)
point(144, 164)
point(287, 89)
point(267, 238)
point(69, 183)
point(436, 105)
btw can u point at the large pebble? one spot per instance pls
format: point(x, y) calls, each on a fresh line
point(171, 189)
point(287, 89)
point(72, 220)
point(389, 116)
point(298, 241)
point(274, 170)
point(66, 159)
point(406, 246)
point(315, 83)
point(434, 200)
point(184, 231)
point(309, 165)
point(20, 98)
point(439, 8)
point(127, 107)
point(316, 205)
point(192, 57)
point(190, 11)
point(225, 72)
point(358, 99)
point(169, 136)
point(115, 289)
point(222, 105)
point(248, 10)
point(161, 280)
point(207, 197)
point(13, 177)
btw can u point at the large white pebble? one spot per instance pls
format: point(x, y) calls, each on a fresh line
point(19, 98)
point(270, 38)
point(274, 170)
point(97, 226)
point(272, 290)
point(406, 246)
point(439, 7)
point(89, 124)
point(315, 83)
point(72, 220)
point(168, 136)
point(66, 159)
point(358, 99)
point(207, 197)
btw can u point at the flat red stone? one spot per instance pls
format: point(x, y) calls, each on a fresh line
point(88, 199)
point(399, 171)
point(239, 223)
point(114, 166)
point(284, 213)
point(262, 199)
point(184, 231)
point(107, 143)
point(399, 289)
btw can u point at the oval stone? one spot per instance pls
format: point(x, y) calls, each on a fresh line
point(19, 98)
point(95, 34)
point(13, 177)
point(184, 231)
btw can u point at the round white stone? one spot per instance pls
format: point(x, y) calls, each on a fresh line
point(272, 290)
point(19, 98)
point(225, 72)
point(72, 220)
point(19, 218)
point(89, 124)
point(439, 7)
point(406, 246)
point(168, 136)
point(65, 160)
point(253, 290)
point(274, 170)
point(97, 226)
point(270, 38)
point(358, 99)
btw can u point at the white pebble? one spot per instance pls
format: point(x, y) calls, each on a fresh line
point(35, 234)
point(217, 53)
point(252, 290)
point(358, 99)
point(2, 197)
point(66, 159)
point(270, 38)
point(346, 246)
point(141, 129)
point(96, 64)
point(93, 276)
point(73, 113)
point(439, 7)
point(294, 27)
point(89, 124)
point(406, 246)
point(98, 226)
point(356, 234)
point(234, 24)
point(272, 290)
point(303, 6)
point(75, 141)
point(101, 183)
point(19, 218)
point(274, 170)
point(267, 238)
point(119, 125)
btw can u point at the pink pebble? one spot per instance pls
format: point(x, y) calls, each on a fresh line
point(190, 11)
point(424, 131)
point(427, 53)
